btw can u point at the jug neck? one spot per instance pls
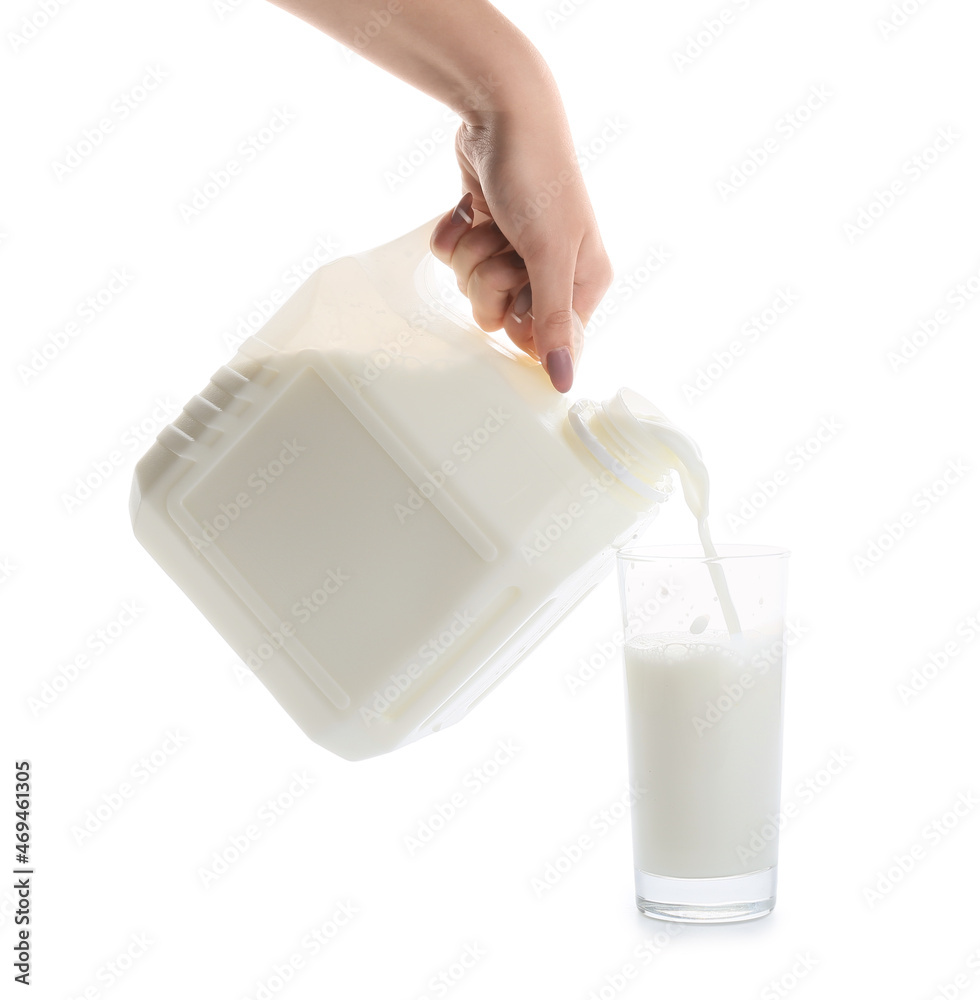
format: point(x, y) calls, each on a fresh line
point(624, 435)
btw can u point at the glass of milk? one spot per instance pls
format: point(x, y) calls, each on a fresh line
point(704, 692)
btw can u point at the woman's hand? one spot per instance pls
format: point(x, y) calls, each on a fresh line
point(523, 241)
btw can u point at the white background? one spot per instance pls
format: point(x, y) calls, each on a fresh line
point(676, 132)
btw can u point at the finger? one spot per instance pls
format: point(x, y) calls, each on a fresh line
point(492, 287)
point(520, 309)
point(473, 248)
point(451, 228)
point(517, 320)
point(593, 278)
point(554, 323)
point(521, 333)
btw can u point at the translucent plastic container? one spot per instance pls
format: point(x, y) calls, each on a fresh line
point(381, 509)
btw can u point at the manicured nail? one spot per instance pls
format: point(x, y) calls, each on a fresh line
point(461, 213)
point(558, 363)
point(522, 303)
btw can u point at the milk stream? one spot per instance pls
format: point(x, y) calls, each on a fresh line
point(693, 475)
point(717, 573)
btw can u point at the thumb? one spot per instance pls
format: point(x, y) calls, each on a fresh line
point(557, 329)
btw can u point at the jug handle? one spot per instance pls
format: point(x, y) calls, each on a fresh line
point(401, 270)
point(404, 274)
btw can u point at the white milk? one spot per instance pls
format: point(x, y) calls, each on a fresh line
point(704, 750)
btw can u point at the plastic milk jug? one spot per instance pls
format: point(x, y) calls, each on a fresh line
point(382, 509)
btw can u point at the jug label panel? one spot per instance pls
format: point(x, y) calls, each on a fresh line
point(300, 517)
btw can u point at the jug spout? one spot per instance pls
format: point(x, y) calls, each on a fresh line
point(633, 440)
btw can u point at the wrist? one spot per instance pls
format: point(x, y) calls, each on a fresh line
point(505, 78)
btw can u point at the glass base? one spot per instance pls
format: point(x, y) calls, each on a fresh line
point(706, 900)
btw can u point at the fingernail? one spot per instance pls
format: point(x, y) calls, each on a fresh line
point(522, 303)
point(558, 363)
point(462, 212)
